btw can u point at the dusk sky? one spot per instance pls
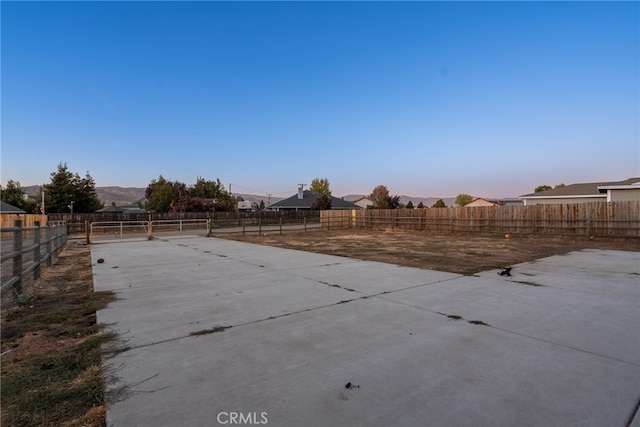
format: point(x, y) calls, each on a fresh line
point(427, 98)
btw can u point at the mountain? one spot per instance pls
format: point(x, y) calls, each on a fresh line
point(131, 196)
point(121, 196)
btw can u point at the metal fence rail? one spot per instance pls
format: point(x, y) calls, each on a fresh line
point(25, 250)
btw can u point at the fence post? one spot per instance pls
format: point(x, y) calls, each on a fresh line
point(589, 226)
point(281, 225)
point(305, 224)
point(46, 241)
point(17, 261)
point(88, 231)
point(328, 221)
point(50, 243)
point(243, 226)
point(36, 250)
point(259, 226)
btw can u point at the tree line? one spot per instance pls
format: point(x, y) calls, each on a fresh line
point(68, 192)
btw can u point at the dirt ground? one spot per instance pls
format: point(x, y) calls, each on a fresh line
point(453, 253)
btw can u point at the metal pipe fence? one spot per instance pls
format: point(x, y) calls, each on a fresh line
point(25, 251)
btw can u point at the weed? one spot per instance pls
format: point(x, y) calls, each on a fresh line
point(527, 283)
point(478, 322)
point(454, 316)
point(210, 331)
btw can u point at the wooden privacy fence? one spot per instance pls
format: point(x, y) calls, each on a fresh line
point(615, 219)
point(25, 250)
point(28, 220)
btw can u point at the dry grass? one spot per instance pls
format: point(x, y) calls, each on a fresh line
point(52, 349)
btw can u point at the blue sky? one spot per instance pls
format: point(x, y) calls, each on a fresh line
point(427, 98)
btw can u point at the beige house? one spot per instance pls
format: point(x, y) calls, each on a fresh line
point(363, 202)
point(616, 191)
point(493, 202)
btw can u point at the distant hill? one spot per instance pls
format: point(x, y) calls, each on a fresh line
point(131, 196)
point(121, 196)
point(427, 201)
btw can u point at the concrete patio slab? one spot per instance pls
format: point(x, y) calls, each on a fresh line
point(303, 326)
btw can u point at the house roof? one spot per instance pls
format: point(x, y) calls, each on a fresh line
point(7, 208)
point(308, 197)
point(582, 189)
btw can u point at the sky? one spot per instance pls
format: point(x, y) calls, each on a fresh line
point(429, 99)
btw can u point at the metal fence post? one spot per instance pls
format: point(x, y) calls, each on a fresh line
point(45, 241)
point(305, 224)
point(17, 261)
point(281, 225)
point(36, 251)
point(259, 226)
point(87, 227)
point(243, 226)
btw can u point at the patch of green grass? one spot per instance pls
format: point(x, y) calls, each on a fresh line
point(56, 386)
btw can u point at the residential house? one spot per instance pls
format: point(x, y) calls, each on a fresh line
point(480, 201)
point(612, 191)
point(304, 199)
point(6, 208)
point(363, 202)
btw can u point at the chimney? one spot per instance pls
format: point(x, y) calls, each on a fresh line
point(300, 191)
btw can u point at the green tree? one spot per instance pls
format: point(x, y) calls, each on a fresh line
point(420, 205)
point(540, 188)
point(210, 190)
point(66, 187)
point(562, 184)
point(320, 186)
point(160, 194)
point(323, 202)
point(175, 196)
point(409, 205)
point(439, 204)
point(13, 194)
point(463, 199)
point(261, 206)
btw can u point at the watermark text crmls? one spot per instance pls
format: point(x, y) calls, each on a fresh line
point(242, 418)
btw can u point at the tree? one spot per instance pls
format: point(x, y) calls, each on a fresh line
point(382, 200)
point(160, 194)
point(13, 194)
point(439, 204)
point(175, 196)
point(559, 185)
point(409, 205)
point(66, 190)
point(322, 203)
point(320, 186)
point(210, 190)
point(261, 206)
point(540, 188)
point(420, 205)
point(463, 199)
